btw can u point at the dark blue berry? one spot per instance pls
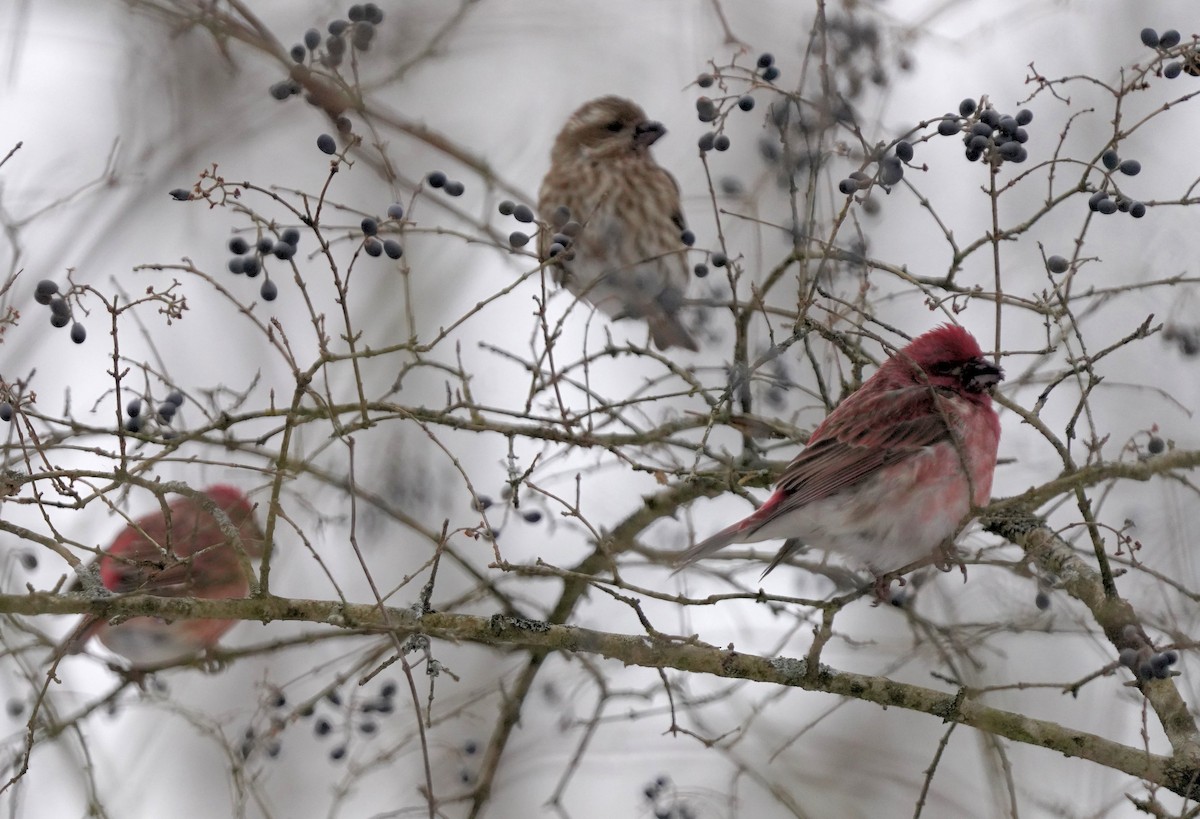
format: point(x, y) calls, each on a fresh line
point(719, 259)
point(701, 270)
point(373, 247)
point(291, 236)
point(705, 80)
point(1137, 210)
point(369, 226)
point(6, 412)
point(890, 171)
point(523, 213)
point(392, 248)
point(1057, 264)
point(1169, 38)
point(1171, 70)
point(268, 291)
point(395, 211)
point(967, 107)
point(707, 141)
point(1130, 167)
point(949, 126)
point(436, 179)
point(78, 333)
point(1024, 116)
point(180, 194)
point(1149, 37)
point(518, 239)
point(904, 151)
point(312, 39)
point(175, 397)
point(251, 266)
point(766, 60)
point(44, 291)
point(770, 74)
point(284, 251)
point(299, 52)
point(721, 143)
point(454, 188)
point(1111, 159)
point(746, 102)
point(337, 27)
point(327, 144)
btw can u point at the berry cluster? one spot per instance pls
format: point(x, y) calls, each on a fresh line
point(889, 170)
point(1141, 658)
point(523, 214)
point(358, 32)
point(136, 417)
point(1164, 43)
point(709, 110)
point(1100, 202)
point(664, 799)
point(565, 228)
point(250, 260)
point(987, 134)
point(46, 292)
point(375, 247)
point(437, 179)
point(358, 715)
point(1147, 664)
point(484, 502)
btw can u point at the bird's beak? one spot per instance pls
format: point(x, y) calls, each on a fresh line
point(647, 133)
point(981, 375)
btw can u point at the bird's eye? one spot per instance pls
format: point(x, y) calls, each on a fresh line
point(944, 368)
point(615, 125)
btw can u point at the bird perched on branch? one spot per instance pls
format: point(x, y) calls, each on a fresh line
point(183, 552)
point(893, 473)
point(616, 237)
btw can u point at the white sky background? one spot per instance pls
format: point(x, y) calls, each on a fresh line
point(87, 76)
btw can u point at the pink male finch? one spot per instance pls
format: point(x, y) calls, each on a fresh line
point(183, 554)
point(891, 475)
point(626, 256)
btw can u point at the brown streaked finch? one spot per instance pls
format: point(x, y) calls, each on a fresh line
point(183, 553)
point(893, 473)
point(620, 216)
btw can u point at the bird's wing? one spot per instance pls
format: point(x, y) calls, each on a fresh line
point(866, 433)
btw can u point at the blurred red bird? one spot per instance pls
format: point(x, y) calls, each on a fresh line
point(894, 471)
point(182, 554)
point(618, 219)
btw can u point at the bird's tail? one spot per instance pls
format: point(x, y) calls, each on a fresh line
point(667, 332)
point(704, 548)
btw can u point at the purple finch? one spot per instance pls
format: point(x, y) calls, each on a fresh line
point(181, 554)
point(619, 223)
point(895, 470)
